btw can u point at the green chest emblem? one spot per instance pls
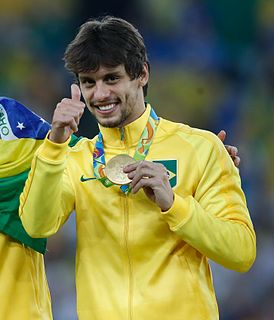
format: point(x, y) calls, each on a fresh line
point(171, 166)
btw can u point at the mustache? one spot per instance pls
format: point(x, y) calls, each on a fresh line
point(104, 102)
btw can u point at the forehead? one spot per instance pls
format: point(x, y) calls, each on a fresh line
point(103, 70)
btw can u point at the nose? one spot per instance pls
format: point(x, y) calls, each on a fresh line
point(101, 92)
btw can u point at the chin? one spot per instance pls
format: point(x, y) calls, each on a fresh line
point(109, 124)
point(114, 122)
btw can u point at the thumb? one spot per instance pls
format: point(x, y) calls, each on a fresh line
point(75, 92)
point(221, 135)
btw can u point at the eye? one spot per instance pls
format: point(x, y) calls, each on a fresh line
point(87, 82)
point(112, 78)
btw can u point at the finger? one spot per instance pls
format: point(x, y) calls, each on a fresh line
point(221, 135)
point(148, 171)
point(233, 151)
point(237, 161)
point(132, 167)
point(75, 92)
point(142, 183)
point(136, 176)
point(73, 125)
point(67, 109)
point(139, 168)
point(137, 171)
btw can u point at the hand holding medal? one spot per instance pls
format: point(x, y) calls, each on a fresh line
point(153, 179)
point(146, 175)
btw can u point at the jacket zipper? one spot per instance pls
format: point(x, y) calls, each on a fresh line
point(126, 241)
point(126, 238)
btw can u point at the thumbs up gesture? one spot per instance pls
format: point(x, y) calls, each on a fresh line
point(67, 116)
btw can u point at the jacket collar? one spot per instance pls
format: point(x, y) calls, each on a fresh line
point(129, 134)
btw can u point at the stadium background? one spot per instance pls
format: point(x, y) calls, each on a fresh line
point(212, 67)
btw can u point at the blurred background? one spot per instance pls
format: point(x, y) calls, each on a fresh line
point(212, 67)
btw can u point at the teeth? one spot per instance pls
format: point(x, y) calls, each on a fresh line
point(107, 107)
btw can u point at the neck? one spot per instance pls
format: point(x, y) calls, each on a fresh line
point(130, 120)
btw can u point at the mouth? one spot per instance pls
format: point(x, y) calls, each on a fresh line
point(106, 108)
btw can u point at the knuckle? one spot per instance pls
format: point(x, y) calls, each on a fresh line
point(65, 100)
point(59, 105)
point(144, 164)
point(141, 165)
point(161, 166)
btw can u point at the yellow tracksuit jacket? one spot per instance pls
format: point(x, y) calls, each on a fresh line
point(24, 293)
point(133, 261)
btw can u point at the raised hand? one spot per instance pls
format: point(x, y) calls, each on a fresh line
point(154, 180)
point(232, 150)
point(67, 116)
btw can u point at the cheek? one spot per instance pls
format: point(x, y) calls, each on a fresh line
point(86, 94)
point(130, 93)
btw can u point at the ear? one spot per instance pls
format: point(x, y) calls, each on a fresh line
point(144, 76)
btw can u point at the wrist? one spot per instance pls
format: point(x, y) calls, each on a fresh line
point(166, 207)
point(58, 137)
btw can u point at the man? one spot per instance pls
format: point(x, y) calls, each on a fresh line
point(171, 199)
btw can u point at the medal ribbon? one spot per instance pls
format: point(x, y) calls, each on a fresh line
point(141, 151)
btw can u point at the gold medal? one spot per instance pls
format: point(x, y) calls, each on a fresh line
point(114, 169)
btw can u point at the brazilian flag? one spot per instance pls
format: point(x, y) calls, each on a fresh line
point(21, 133)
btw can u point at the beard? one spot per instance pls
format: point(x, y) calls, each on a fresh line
point(116, 123)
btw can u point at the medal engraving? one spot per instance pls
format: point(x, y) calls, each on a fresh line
point(114, 169)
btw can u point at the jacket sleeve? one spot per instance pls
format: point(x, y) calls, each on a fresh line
point(48, 197)
point(215, 219)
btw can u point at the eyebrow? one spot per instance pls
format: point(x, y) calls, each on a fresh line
point(84, 78)
point(109, 74)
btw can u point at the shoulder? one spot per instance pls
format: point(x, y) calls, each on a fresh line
point(189, 135)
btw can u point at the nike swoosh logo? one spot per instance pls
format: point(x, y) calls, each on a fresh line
point(83, 179)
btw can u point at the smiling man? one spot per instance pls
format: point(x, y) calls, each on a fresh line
point(154, 199)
